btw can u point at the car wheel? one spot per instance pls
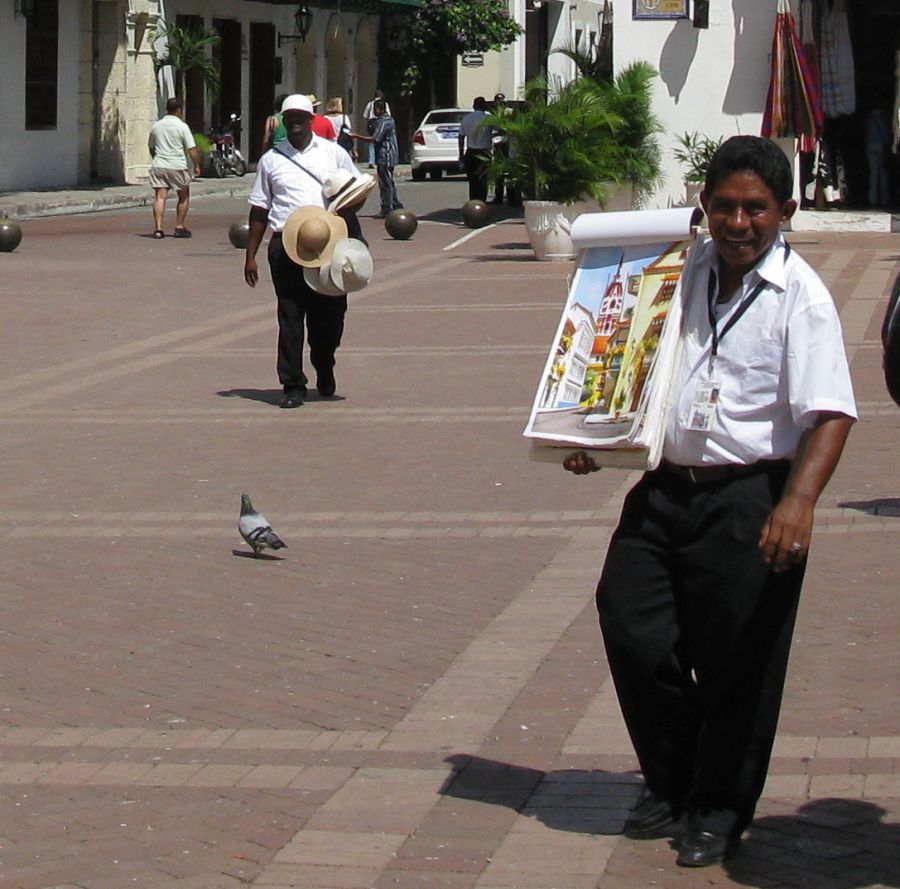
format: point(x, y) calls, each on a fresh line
point(418, 175)
point(436, 173)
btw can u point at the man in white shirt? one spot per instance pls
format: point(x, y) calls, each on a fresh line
point(475, 148)
point(288, 177)
point(701, 583)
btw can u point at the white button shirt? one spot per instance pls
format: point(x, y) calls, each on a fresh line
point(780, 364)
point(478, 136)
point(281, 186)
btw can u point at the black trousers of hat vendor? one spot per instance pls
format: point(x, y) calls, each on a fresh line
point(299, 305)
point(697, 631)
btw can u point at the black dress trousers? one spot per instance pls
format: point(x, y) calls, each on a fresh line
point(299, 304)
point(697, 631)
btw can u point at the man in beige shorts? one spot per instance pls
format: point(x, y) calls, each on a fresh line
point(174, 151)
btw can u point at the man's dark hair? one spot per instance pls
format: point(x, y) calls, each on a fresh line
point(379, 105)
point(756, 155)
point(174, 105)
point(479, 103)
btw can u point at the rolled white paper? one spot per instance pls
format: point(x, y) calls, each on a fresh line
point(632, 227)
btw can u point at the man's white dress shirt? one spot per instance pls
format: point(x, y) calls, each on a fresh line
point(281, 186)
point(780, 364)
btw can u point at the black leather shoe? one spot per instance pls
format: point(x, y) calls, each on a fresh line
point(326, 384)
point(291, 398)
point(699, 848)
point(651, 818)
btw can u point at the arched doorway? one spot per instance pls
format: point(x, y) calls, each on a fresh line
point(336, 61)
point(305, 66)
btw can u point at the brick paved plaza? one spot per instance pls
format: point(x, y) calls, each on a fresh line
point(413, 694)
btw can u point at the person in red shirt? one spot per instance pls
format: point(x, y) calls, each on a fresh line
point(321, 125)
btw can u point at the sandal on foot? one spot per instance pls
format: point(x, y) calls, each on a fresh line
point(181, 233)
point(158, 234)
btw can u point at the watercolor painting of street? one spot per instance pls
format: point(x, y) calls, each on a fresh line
point(600, 367)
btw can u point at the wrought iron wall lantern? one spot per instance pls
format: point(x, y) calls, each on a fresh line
point(303, 23)
point(24, 8)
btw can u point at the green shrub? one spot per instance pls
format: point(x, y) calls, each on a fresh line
point(204, 146)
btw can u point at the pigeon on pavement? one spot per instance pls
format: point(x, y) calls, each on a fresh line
point(256, 530)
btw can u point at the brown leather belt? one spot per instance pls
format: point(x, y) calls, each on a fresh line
point(704, 475)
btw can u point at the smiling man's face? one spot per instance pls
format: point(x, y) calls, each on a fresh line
point(744, 219)
point(297, 125)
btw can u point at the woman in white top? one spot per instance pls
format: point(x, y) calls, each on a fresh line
point(334, 111)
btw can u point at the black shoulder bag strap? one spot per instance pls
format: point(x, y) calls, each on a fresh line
point(297, 163)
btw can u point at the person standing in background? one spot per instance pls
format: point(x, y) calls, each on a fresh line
point(369, 117)
point(475, 149)
point(274, 130)
point(387, 155)
point(334, 112)
point(174, 153)
point(321, 125)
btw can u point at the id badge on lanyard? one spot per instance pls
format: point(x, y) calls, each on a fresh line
point(703, 407)
point(706, 396)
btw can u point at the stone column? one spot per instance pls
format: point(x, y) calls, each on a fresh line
point(140, 102)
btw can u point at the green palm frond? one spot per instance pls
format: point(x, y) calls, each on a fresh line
point(573, 141)
point(189, 50)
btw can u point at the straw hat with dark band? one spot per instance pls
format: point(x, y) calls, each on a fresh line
point(341, 189)
point(309, 236)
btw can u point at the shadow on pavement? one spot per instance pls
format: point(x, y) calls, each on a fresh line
point(833, 843)
point(838, 843)
point(887, 506)
point(257, 557)
point(573, 800)
point(269, 396)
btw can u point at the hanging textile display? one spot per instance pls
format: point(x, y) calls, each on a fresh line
point(793, 107)
point(836, 67)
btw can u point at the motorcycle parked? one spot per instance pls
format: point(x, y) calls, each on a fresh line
point(225, 154)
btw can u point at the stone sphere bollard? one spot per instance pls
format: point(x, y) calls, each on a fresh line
point(238, 234)
point(401, 224)
point(10, 235)
point(476, 213)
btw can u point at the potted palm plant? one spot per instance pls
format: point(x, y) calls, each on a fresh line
point(695, 151)
point(570, 151)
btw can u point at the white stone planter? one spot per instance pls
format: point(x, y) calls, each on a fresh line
point(692, 193)
point(549, 224)
point(549, 227)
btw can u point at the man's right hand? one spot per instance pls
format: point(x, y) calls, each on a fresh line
point(580, 463)
point(251, 273)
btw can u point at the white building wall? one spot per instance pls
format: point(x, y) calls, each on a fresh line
point(713, 81)
point(41, 158)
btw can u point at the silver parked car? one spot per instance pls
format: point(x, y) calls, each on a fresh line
point(435, 144)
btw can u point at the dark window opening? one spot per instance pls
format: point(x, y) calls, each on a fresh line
point(42, 66)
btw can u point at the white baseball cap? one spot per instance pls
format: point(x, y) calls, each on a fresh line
point(297, 102)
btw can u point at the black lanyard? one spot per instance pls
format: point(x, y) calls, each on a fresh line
point(738, 314)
